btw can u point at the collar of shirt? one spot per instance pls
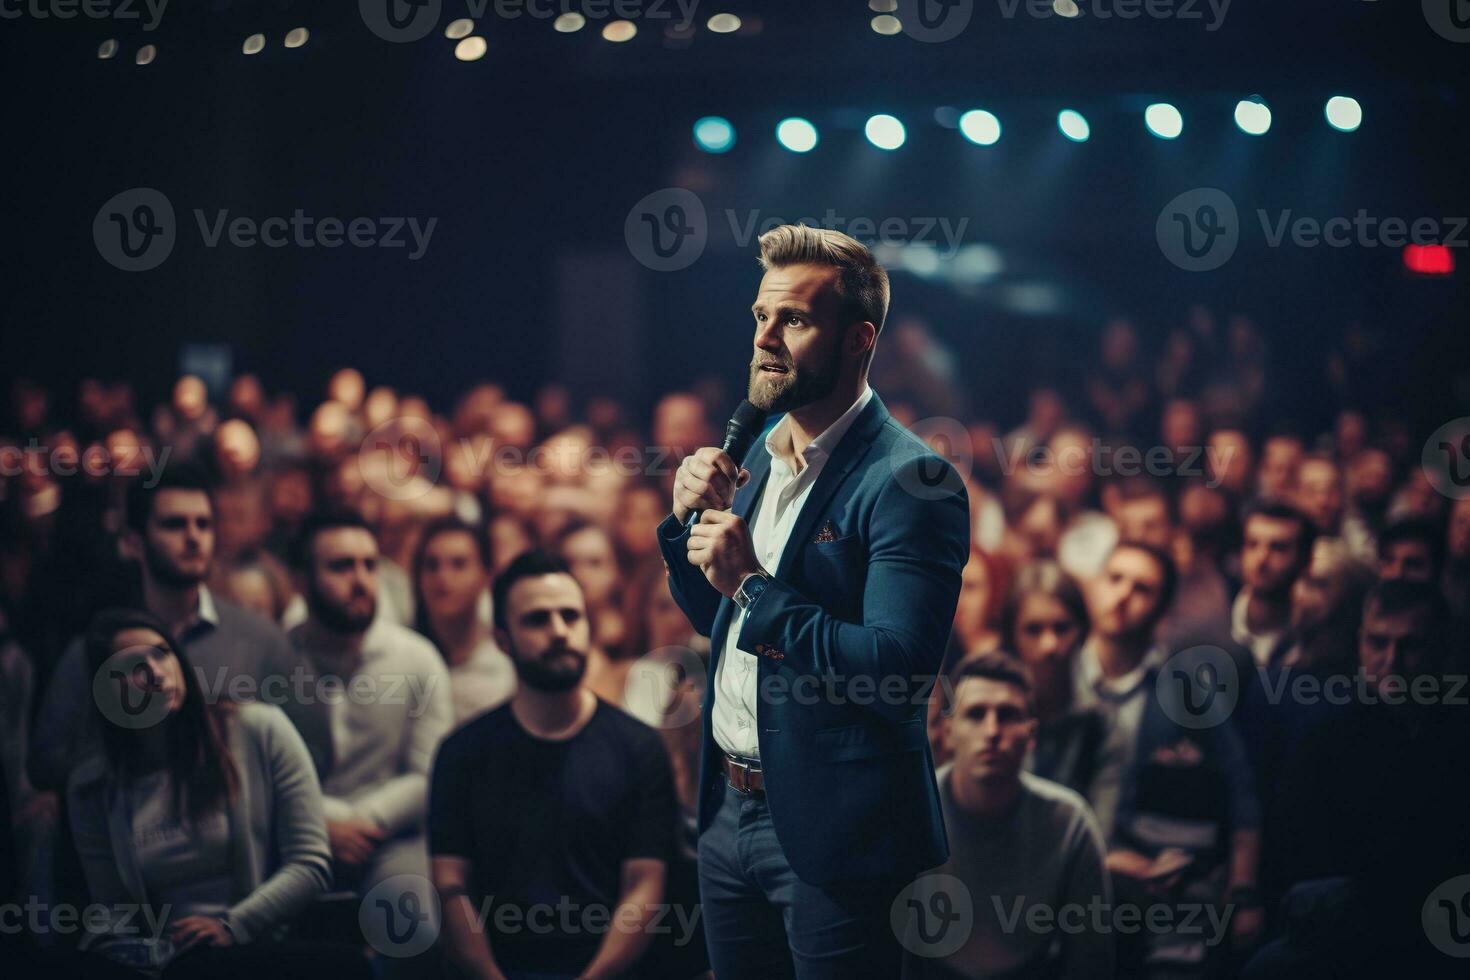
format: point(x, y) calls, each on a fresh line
point(1240, 632)
point(1116, 688)
point(206, 615)
point(778, 440)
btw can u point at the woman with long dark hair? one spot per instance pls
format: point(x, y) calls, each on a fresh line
point(208, 816)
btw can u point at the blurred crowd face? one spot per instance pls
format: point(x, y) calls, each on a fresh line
point(1280, 457)
point(236, 449)
point(508, 539)
point(666, 623)
point(547, 635)
point(1181, 428)
point(1320, 591)
point(1146, 521)
point(191, 398)
point(1351, 434)
point(451, 578)
point(1400, 645)
point(1370, 479)
point(990, 731)
point(1271, 556)
point(974, 601)
point(589, 553)
point(1319, 494)
point(1046, 639)
point(639, 513)
point(1229, 461)
point(347, 388)
point(1119, 345)
point(1409, 560)
point(1126, 598)
point(1458, 537)
point(150, 665)
point(250, 587)
point(290, 496)
point(799, 329)
point(242, 521)
point(342, 581)
point(178, 540)
point(247, 397)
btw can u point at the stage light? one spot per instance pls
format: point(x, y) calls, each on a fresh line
point(796, 134)
point(254, 44)
point(107, 49)
point(723, 23)
point(886, 24)
point(883, 6)
point(296, 37)
point(714, 134)
point(1163, 120)
point(461, 27)
point(1073, 125)
point(145, 55)
point(1066, 8)
point(569, 23)
point(1344, 114)
point(619, 31)
point(470, 49)
point(1429, 260)
point(885, 132)
point(1253, 116)
point(980, 127)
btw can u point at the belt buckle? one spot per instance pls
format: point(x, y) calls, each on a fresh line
point(744, 767)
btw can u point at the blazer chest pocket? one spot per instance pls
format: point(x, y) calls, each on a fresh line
point(833, 572)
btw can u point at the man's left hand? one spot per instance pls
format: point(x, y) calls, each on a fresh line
point(721, 546)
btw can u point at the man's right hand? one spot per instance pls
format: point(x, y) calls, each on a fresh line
point(707, 480)
point(353, 841)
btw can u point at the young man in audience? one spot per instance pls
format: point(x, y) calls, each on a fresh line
point(170, 533)
point(1276, 549)
point(386, 694)
point(1016, 842)
point(1176, 801)
point(552, 817)
point(1411, 550)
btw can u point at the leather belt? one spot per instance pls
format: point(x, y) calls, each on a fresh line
point(744, 777)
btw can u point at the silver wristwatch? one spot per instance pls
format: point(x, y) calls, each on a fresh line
point(750, 587)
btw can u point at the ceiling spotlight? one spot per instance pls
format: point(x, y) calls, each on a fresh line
point(1344, 114)
point(1253, 116)
point(723, 23)
point(1163, 120)
point(297, 36)
point(885, 131)
point(459, 28)
point(254, 44)
point(107, 49)
point(619, 31)
point(569, 23)
point(796, 134)
point(1073, 125)
point(980, 127)
point(714, 134)
point(145, 55)
point(471, 48)
point(887, 25)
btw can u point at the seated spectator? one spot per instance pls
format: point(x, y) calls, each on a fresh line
point(588, 551)
point(209, 817)
point(387, 694)
point(1182, 813)
point(170, 532)
point(1378, 775)
point(1276, 549)
point(1045, 622)
point(1016, 841)
point(451, 578)
point(593, 816)
point(1411, 550)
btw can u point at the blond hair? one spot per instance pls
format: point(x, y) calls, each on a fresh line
point(862, 283)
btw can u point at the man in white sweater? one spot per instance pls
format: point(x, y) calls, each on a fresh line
point(386, 692)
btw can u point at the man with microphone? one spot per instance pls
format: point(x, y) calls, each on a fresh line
point(826, 576)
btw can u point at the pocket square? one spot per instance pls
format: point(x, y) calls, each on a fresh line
point(827, 532)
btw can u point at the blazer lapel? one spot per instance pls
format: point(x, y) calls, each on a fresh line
point(849, 452)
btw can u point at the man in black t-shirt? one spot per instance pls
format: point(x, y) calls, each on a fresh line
point(551, 819)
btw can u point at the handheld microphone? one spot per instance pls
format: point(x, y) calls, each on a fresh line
point(740, 433)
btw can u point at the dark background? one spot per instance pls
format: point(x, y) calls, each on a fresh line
point(531, 158)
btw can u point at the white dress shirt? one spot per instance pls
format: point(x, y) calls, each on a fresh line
point(771, 521)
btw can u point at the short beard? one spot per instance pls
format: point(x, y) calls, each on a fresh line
point(803, 387)
point(164, 572)
point(535, 674)
point(333, 617)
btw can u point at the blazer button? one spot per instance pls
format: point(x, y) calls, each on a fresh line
point(760, 648)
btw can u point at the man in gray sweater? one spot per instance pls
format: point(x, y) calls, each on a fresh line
point(1025, 892)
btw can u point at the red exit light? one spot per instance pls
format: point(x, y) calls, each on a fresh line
point(1429, 260)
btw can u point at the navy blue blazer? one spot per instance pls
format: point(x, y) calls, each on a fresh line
point(849, 639)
